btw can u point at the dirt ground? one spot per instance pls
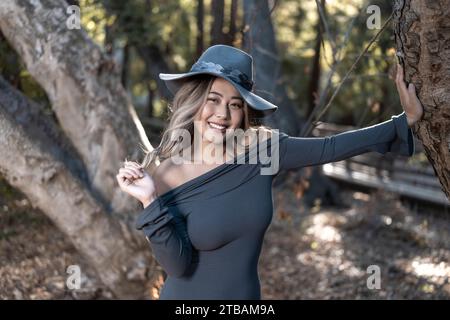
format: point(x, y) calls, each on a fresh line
point(308, 253)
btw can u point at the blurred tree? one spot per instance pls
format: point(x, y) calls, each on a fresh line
point(422, 34)
point(134, 21)
point(260, 42)
point(218, 33)
point(232, 29)
point(313, 87)
point(200, 16)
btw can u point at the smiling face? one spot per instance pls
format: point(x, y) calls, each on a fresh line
point(223, 109)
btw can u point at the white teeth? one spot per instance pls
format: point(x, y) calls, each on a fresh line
point(216, 126)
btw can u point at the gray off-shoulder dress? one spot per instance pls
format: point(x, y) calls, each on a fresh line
point(207, 233)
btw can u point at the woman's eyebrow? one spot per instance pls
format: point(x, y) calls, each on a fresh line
point(222, 95)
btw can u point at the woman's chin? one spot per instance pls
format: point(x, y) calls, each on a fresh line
point(214, 137)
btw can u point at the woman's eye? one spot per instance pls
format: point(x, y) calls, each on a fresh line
point(234, 105)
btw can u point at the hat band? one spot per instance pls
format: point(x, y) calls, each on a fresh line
point(235, 75)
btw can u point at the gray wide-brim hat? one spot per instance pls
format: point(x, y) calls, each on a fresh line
point(229, 63)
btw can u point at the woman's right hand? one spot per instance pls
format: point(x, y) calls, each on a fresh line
point(135, 181)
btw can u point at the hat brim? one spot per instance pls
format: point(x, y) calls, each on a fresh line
point(260, 105)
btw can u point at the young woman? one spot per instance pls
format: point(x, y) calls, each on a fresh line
point(205, 219)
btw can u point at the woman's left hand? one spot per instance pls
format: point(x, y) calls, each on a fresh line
point(408, 98)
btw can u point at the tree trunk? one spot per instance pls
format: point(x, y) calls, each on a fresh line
point(84, 89)
point(150, 53)
point(422, 34)
point(200, 16)
point(124, 72)
point(74, 183)
point(259, 41)
point(33, 161)
point(313, 87)
point(154, 65)
point(231, 35)
point(217, 11)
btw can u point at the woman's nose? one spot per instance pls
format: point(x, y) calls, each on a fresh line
point(222, 111)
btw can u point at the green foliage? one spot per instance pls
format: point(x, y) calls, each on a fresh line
point(166, 25)
point(367, 87)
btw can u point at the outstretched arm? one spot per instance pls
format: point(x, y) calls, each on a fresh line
point(393, 135)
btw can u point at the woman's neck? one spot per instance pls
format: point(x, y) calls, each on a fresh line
point(210, 153)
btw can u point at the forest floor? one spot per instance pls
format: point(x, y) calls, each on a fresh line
point(315, 253)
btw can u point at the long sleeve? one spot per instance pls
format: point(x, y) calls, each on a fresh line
point(167, 234)
point(393, 135)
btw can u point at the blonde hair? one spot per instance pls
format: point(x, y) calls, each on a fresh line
point(187, 103)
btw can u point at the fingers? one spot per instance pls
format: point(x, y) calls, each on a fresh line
point(400, 83)
point(131, 173)
point(139, 171)
point(122, 179)
point(125, 175)
point(412, 89)
point(133, 164)
point(399, 76)
point(413, 93)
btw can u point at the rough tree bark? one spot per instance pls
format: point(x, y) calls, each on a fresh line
point(84, 89)
point(422, 34)
point(74, 183)
point(37, 159)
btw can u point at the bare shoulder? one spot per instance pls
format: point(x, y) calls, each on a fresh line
point(166, 176)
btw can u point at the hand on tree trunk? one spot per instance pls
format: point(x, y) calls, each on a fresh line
point(408, 98)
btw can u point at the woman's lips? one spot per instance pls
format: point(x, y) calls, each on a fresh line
point(216, 126)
